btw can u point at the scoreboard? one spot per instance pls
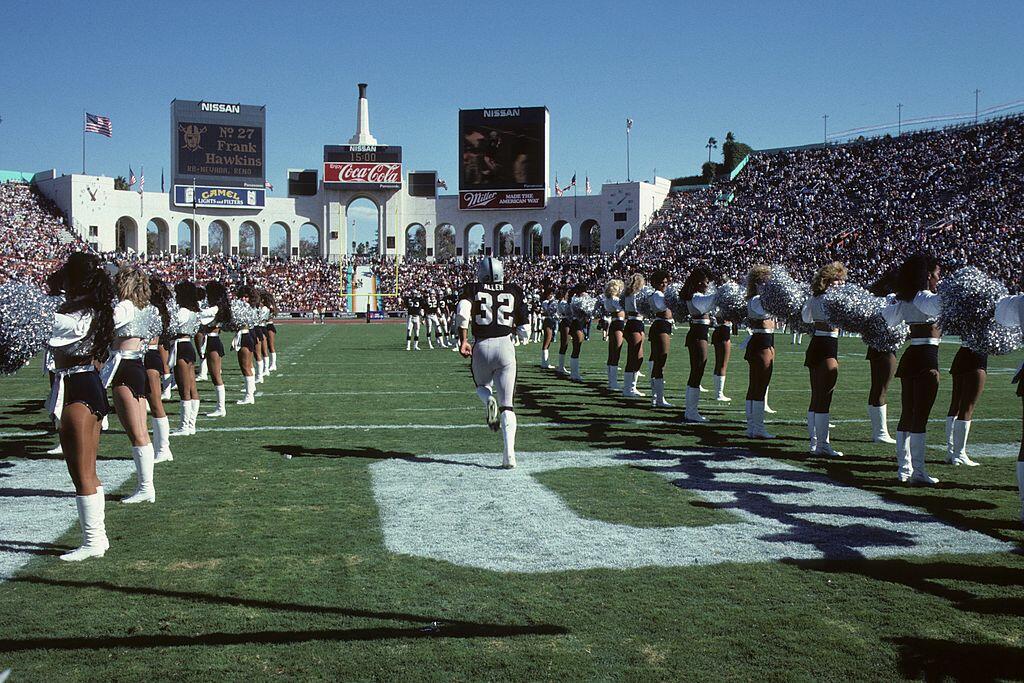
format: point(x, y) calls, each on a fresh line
point(363, 167)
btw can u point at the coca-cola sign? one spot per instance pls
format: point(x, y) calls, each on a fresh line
point(375, 174)
point(501, 199)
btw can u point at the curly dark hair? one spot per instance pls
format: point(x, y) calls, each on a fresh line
point(217, 295)
point(659, 276)
point(913, 275)
point(87, 287)
point(700, 273)
point(250, 294)
point(187, 295)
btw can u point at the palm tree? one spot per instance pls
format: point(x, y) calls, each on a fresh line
point(712, 144)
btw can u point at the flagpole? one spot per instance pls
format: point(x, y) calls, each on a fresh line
point(83, 142)
point(141, 188)
point(574, 194)
point(195, 231)
point(627, 152)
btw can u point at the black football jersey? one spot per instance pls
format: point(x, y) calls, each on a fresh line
point(413, 304)
point(497, 309)
point(431, 304)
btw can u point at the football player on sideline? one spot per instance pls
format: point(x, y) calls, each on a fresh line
point(414, 314)
point(495, 310)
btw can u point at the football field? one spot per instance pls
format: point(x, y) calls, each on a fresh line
point(354, 525)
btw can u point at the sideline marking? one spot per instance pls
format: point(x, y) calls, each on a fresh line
point(462, 509)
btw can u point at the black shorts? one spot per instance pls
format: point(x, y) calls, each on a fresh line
point(153, 361)
point(214, 345)
point(917, 359)
point(721, 334)
point(966, 360)
point(821, 349)
point(271, 327)
point(577, 326)
point(616, 325)
point(661, 326)
point(249, 341)
point(131, 373)
point(759, 342)
point(698, 333)
point(259, 333)
point(87, 388)
point(634, 326)
point(874, 354)
point(186, 351)
point(549, 324)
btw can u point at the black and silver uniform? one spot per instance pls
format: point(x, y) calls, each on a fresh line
point(413, 304)
point(497, 309)
point(431, 304)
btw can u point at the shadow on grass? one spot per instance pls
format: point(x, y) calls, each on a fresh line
point(427, 626)
point(32, 547)
point(932, 659)
point(368, 454)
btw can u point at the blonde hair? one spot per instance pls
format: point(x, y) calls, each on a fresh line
point(826, 275)
point(614, 288)
point(132, 284)
point(759, 274)
point(636, 283)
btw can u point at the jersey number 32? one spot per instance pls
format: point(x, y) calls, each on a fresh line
point(489, 313)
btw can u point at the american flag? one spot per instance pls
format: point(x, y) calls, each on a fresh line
point(586, 185)
point(572, 183)
point(98, 124)
point(142, 179)
point(558, 190)
point(442, 183)
point(131, 176)
point(267, 185)
point(629, 125)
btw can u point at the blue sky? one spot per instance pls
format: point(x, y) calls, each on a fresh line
point(682, 71)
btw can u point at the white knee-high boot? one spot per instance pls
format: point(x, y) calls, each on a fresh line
point(658, 393)
point(949, 438)
point(166, 382)
point(561, 364)
point(273, 361)
point(250, 391)
point(720, 388)
point(917, 452)
point(144, 491)
point(182, 429)
point(961, 429)
point(821, 430)
point(574, 370)
point(161, 444)
point(91, 517)
point(508, 435)
point(219, 412)
point(904, 462)
point(545, 354)
point(629, 385)
point(258, 367)
point(757, 413)
point(692, 401)
point(193, 413)
point(812, 432)
point(203, 370)
point(613, 377)
point(879, 424)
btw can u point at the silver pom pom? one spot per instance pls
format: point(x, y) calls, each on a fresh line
point(674, 302)
point(243, 316)
point(583, 307)
point(968, 310)
point(642, 299)
point(782, 296)
point(154, 325)
point(732, 302)
point(26, 321)
point(879, 336)
point(850, 307)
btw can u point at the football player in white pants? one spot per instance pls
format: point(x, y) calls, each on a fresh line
point(494, 310)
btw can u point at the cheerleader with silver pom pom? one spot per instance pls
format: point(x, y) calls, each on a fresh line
point(245, 315)
point(582, 308)
point(634, 296)
point(616, 315)
point(1010, 315)
point(822, 357)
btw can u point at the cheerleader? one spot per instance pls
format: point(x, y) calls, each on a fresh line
point(564, 322)
point(183, 326)
point(156, 367)
point(822, 358)
point(760, 353)
point(616, 315)
point(577, 325)
point(125, 373)
point(661, 337)
point(721, 339)
point(259, 335)
point(1010, 313)
point(633, 334)
point(271, 331)
point(245, 346)
point(698, 306)
point(883, 369)
point(200, 338)
point(83, 329)
point(549, 307)
point(213, 317)
point(918, 305)
point(969, 371)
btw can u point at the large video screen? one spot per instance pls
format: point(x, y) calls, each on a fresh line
point(503, 158)
point(214, 143)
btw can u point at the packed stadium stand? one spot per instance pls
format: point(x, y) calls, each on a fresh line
point(958, 191)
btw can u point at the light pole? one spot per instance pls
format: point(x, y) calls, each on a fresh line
point(825, 117)
point(899, 119)
point(976, 93)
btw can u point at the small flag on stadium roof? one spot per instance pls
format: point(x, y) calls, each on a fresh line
point(267, 185)
point(558, 190)
point(586, 185)
point(572, 183)
point(142, 179)
point(442, 183)
point(629, 124)
point(131, 176)
point(98, 124)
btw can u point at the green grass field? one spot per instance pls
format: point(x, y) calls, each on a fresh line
point(255, 566)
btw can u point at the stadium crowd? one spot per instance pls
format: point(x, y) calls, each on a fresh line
point(866, 203)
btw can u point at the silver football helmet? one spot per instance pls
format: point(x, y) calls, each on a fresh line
point(489, 271)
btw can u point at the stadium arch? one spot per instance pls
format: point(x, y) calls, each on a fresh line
point(218, 238)
point(127, 234)
point(249, 242)
point(590, 236)
point(504, 239)
point(560, 230)
point(158, 236)
point(357, 200)
point(444, 242)
point(311, 242)
point(416, 241)
point(280, 241)
point(532, 241)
